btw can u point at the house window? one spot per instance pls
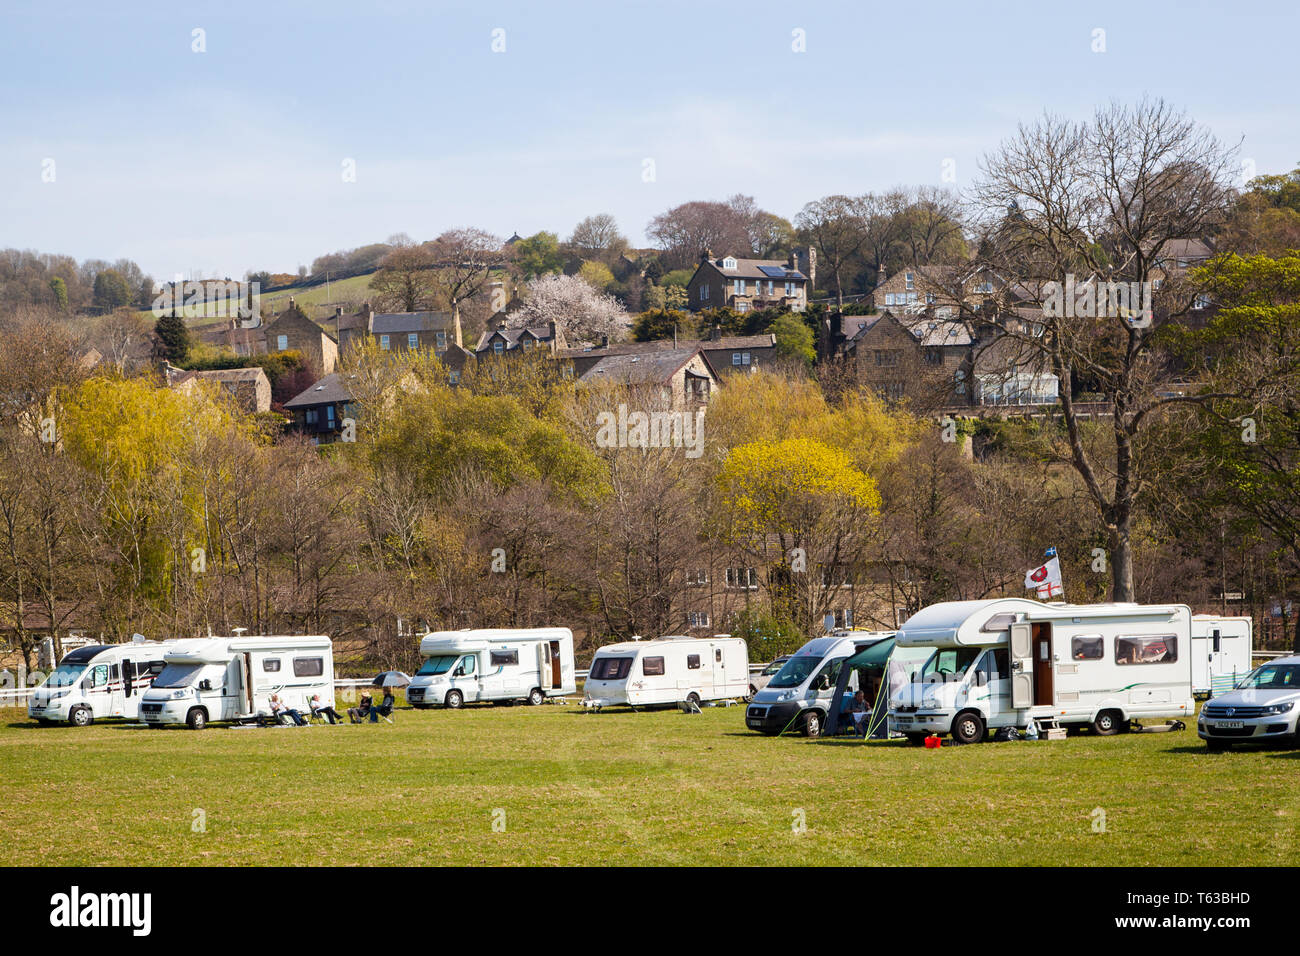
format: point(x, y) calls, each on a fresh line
point(929, 298)
point(887, 358)
point(697, 619)
point(746, 578)
point(442, 341)
point(911, 298)
point(704, 291)
point(909, 279)
point(790, 289)
point(329, 414)
point(412, 340)
point(282, 342)
point(933, 356)
point(1202, 301)
point(454, 377)
point(739, 358)
point(310, 416)
point(698, 576)
point(894, 391)
point(844, 617)
point(652, 666)
point(738, 286)
point(742, 306)
point(498, 346)
point(770, 286)
point(985, 287)
point(889, 298)
point(729, 263)
point(383, 342)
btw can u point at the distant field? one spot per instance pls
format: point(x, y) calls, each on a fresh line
point(317, 301)
point(633, 788)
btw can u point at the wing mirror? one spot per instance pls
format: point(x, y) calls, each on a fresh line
point(205, 684)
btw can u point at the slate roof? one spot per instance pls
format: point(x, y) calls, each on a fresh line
point(396, 323)
point(649, 368)
point(753, 269)
point(329, 390)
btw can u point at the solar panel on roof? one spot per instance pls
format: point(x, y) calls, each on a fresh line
point(775, 272)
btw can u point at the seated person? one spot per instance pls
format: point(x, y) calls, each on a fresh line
point(318, 708)
point(859, 712)
point(358, 714)
point(384, 709)
point(281, 710)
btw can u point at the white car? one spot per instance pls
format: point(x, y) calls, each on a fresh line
point(758, 681)
point(1263, 706)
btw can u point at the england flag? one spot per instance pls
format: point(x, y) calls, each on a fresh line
point(1046, 578)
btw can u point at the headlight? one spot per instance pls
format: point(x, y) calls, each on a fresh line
point(1278, 709)
point(785, 695)
point(177, 694)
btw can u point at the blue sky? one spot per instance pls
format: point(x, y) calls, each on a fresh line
point(218, 162)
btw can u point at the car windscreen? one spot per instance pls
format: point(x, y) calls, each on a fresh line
point(65, 675)
point(796, 670)
point(436, 665)
point(1273, 677)
point(949, 663)
point(178, 675)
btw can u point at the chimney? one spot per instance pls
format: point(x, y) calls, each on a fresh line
point(501, 325)
point(366, 314)
point(715, 333)
point(793, 261)
point(881, 276)
point(604, 341)
point(706, 255)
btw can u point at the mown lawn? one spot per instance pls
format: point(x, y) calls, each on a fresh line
point(626, 788)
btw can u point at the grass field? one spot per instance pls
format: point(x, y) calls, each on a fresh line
point(626, 788)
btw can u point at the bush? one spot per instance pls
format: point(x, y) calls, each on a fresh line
point(767, 636)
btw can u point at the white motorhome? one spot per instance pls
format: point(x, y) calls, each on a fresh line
point(98, 681)
point(668, 670)
point(1221, 653)
point(1004, 662)
point(800, 696)
point(461, 667)
point(233, 678)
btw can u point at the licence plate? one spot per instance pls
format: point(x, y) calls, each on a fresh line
point(1229, 724)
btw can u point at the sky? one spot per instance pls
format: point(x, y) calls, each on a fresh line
point(211, 139)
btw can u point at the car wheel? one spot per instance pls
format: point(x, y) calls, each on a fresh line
point(536, 697)
point(752, 691)
point(1107, 723)
point(968, 728)
point(81, 717)
point(812, 724)
point(455, 700)
point(196, 719)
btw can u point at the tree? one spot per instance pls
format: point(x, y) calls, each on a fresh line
point(597, 237)
point(794, 340)
point(596, 275)
point(121, 335)
point(685, 232)
point(537, 255)
point(59, 289)
point(664, 324)
point(464, 259)
point(837, 227)
point(405, 280)
point(585, 314)
point(1100, 198)
point(172, 338)
point(111, 290)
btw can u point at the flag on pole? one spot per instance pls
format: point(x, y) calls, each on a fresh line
point(1046, 578)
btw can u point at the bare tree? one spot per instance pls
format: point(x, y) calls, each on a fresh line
point(837, 227)
point(464, 259)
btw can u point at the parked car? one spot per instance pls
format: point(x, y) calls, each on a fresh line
point(758, 681)
point(1263, 706)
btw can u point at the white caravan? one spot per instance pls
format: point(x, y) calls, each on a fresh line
point(460, 667)
point(1221, 649)
point(98, 681)
point(1004, 662)
point(799, 697)
point(233, 678)
point(668, 670)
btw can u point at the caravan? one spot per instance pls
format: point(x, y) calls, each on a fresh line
point(233, 678)
point(800, 696)
point(1221, 653)
point(98, 681)
point(669, 670)
point(460, 667)
point(1005, 662)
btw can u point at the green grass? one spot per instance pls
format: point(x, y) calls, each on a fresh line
point(318, 301)
point(634, 788)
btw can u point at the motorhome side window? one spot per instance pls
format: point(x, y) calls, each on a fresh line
point(504, 658)
point(99, 675)
point(692, 662)
point(994, 665)
point(308, 666)
point(270, 664)
point(998, 622)
point(1146, 650)
point(1088, 648)
point(652, 666)
point(611, 668)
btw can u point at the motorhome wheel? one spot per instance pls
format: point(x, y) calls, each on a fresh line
point(968, 728)
point(455, 699)
point(535, 696)
point(1106, 724)
point(81, 717)
point(812, 724)
point(196, 719)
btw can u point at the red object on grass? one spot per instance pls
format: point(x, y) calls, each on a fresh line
point(933, 743)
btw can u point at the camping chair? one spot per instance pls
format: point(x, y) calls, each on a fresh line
point(385, 711)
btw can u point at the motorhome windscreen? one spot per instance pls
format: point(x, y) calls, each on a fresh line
point(610, 668)
point(439, 664)
point(796, 670)
point(949, 664)
point(65, 675)
point(1273, 676)
point(178, 675)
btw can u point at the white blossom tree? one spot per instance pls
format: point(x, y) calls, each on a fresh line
point(584, 313)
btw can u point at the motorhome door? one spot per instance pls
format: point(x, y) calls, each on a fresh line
point(557, 674)
point(544, 665)
point(246, 682)
point(1022, 665)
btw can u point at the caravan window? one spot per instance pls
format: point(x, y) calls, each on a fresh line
point(1146, 650)
point(504, 658)
point(610, 668)
point(692, 662)
point(270, 664)
point(652, 666)
point(308, 666)
point(998, 622)
point(1090, 647)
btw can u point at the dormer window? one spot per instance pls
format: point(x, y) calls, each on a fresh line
point(910, 279)
point(729, 262)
